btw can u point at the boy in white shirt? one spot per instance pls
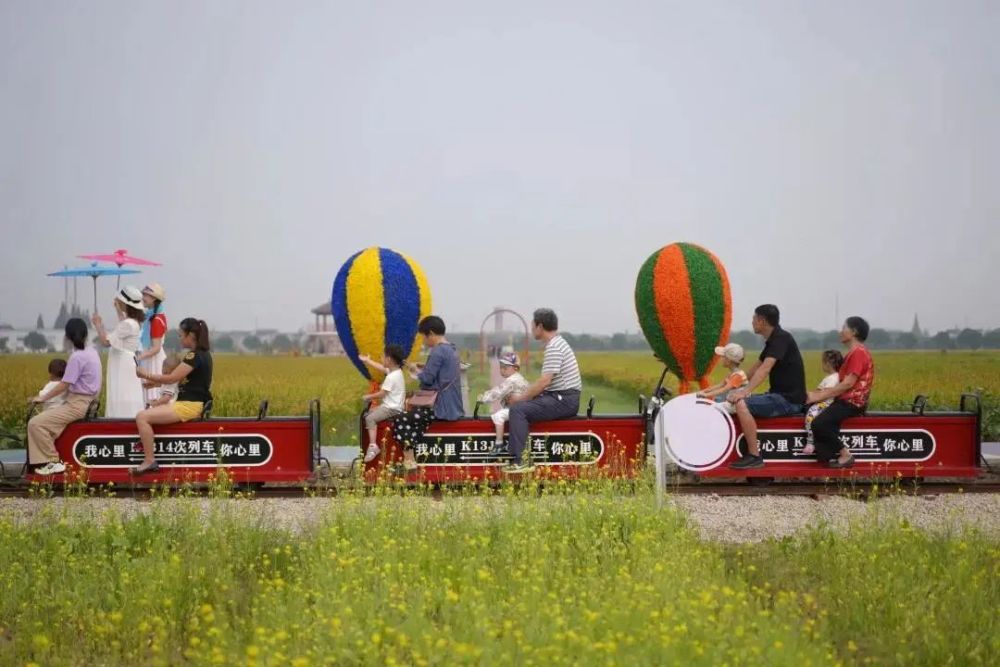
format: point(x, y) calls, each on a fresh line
point(56, 369)
point(512, 385)
point(392, 395)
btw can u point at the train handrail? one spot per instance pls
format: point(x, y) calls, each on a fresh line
point(93, 409)
point(475, 410)
point(590, 406)
point(315, 433)
point(206, 409)
point(262, 409)
point(919, 403)
point(963, 407)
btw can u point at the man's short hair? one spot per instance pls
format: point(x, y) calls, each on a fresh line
point(432, 324)
point(859, 326)
point(769, 312)
point(546, 319)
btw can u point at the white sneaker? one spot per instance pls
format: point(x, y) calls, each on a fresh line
point(52, 468)
point(372, 453)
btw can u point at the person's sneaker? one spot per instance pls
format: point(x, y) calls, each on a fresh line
point(808, 449)
point(52, 468)
point(499, 448)
point(517, 468)
point(372, 453)
point(747, 462)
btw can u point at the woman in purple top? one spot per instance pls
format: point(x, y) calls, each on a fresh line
point(81, 383)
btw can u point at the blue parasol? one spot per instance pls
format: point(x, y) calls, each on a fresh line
point(95, 271)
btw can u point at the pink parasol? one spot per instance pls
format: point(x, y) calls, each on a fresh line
point(120, 258)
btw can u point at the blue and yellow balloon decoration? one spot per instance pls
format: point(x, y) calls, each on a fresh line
point(379, 297)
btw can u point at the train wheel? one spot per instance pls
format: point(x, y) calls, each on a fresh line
point(759, 481)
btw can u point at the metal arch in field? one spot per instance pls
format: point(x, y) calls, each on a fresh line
point(495, 313)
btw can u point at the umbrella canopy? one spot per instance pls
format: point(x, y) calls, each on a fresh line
point(120, 258)
point(94, 271)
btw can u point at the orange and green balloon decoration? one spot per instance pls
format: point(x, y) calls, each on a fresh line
point(685, 309)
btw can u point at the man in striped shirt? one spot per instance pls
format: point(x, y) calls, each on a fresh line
point(555, 395)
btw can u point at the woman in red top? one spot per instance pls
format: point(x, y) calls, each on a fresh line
point(154, 328)
point(857, 375)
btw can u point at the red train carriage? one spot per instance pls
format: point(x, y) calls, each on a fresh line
point(462, 450)
point(264, 449)
point(884, 444)
point(251, 450)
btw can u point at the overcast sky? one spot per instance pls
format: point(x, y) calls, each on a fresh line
point(525, 153)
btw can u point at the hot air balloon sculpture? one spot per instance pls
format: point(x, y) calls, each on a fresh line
point(379, 297)
point(685, 309)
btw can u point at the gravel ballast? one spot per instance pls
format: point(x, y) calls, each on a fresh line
point(729, 519)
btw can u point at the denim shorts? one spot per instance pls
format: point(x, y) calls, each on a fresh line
point(771, 405)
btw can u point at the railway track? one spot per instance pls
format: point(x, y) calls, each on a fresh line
point(856, 490)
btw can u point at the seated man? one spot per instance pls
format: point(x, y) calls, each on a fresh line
point(555, 395)
point(781, 363)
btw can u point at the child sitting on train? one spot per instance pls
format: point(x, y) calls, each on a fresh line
point(732, 356)
point(832, 360)
point(512, 385)
point(168, 392)
point(392, 395)
point(57, 367)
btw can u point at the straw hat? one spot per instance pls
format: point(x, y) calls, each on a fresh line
point(155, 290)
point(130, 296)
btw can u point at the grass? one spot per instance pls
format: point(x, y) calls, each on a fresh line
point(594, 578)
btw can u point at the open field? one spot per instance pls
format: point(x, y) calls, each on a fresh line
point(615, 379)
point(598, 577)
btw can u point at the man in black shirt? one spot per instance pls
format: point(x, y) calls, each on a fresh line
point(781, 363)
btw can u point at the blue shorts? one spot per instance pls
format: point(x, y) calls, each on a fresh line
point(771, 405)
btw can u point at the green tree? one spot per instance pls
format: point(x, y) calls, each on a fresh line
point(224, 344)
point(282, 344)
point(942, 341)
point(879, 339)
point(252, 343)
point(991, 339)
point(3, 344)
point(36, 342)
point(906, 340)
point(39, 323)
point(969, 339)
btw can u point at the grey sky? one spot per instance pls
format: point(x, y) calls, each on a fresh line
point(525, 153)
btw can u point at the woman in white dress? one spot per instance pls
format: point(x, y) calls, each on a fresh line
point(154, 329)
point(125, 397)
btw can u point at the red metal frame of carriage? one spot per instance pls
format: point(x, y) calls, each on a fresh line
point(265, 449)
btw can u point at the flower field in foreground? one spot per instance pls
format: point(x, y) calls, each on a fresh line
point(590, 578)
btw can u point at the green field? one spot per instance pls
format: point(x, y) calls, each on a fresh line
point(289, 383)
point(568, 578)
point(900, 376)
point(614, 379)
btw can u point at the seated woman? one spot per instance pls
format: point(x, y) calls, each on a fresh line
point(81, 383)
point(194, 387)
point(857, 376)
point(441, 373)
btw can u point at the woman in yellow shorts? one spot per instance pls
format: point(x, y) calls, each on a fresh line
point(194, 387)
